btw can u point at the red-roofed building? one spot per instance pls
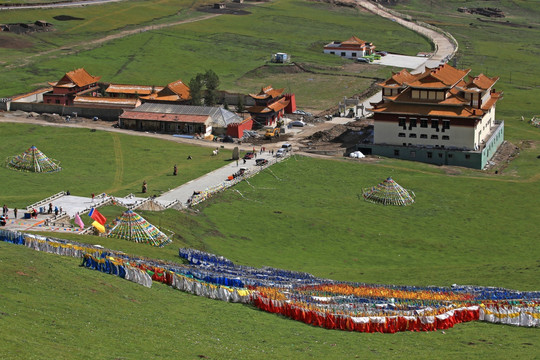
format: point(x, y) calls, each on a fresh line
point(438, 114)
point(74, 83)
point(269, 106)
point(174, 93)
point(131, 91)
point(351, 49)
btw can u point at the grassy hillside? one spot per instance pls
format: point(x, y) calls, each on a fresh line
point(298, 27)
point(467, 226)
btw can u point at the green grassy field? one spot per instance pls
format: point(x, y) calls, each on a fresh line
point(467, 226)
point(96, 162)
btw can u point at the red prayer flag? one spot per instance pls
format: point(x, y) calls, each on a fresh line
point(94, 214)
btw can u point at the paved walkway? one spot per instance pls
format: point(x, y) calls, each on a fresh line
point(212, 179)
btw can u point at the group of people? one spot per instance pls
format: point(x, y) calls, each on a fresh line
point(56, 209)
point(5, 212)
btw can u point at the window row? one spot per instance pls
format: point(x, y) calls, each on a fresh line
point(402, 122)
point(430, 154)
point(424, 136)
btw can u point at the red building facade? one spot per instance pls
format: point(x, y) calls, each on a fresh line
point(269, 106)
point(74, 83)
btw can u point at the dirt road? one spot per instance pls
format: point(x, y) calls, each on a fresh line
point(445, 47)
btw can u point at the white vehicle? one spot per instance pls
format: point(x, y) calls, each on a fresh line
point(281, 152)
point(286, 147)
point(298, 123)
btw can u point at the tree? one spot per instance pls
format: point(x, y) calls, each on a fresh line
point(211, 80)
point(240, 104)
point(195, 89)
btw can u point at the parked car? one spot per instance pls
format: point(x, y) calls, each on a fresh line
point(362, 60)
point(249, 156)
point(298, 123)
point(228, 139)
point(261, 162)
point(382, 53)
point(281, 152)
point(286, 147)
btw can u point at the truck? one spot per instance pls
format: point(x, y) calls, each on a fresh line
point(271, 133)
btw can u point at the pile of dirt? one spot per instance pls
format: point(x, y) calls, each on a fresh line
point(25, 28)
point(327, 135)
point(505, 153)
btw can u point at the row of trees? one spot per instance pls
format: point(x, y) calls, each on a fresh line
point(204, 86)
point(203, 89)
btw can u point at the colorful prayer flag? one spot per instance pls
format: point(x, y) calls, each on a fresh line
point(94, 214)
point(79, 221)
point(98, 226)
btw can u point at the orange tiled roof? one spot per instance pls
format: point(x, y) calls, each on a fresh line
point(267, 92)
point(132, 89)
point(442, 76)
point(279, 105)
point(496, 96)
point(175, 91)
point(79, 77)
point(353, 40)
point(480, 82)
point(274, 107)
point(428, 110)
point(180, 89)
point(398, 79)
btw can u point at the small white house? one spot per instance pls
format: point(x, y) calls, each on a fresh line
point(351, 49)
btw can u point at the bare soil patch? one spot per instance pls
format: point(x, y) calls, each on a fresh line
point(11, 42)
point(67, 18)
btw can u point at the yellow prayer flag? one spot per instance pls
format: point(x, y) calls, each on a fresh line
point(99, 227)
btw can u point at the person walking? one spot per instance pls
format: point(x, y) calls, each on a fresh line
point(175, 170)
point(15, 212)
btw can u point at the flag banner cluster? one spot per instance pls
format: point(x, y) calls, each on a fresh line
point(389, 192)
point(303, 297)
point(33, 160)
point(133, 227)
